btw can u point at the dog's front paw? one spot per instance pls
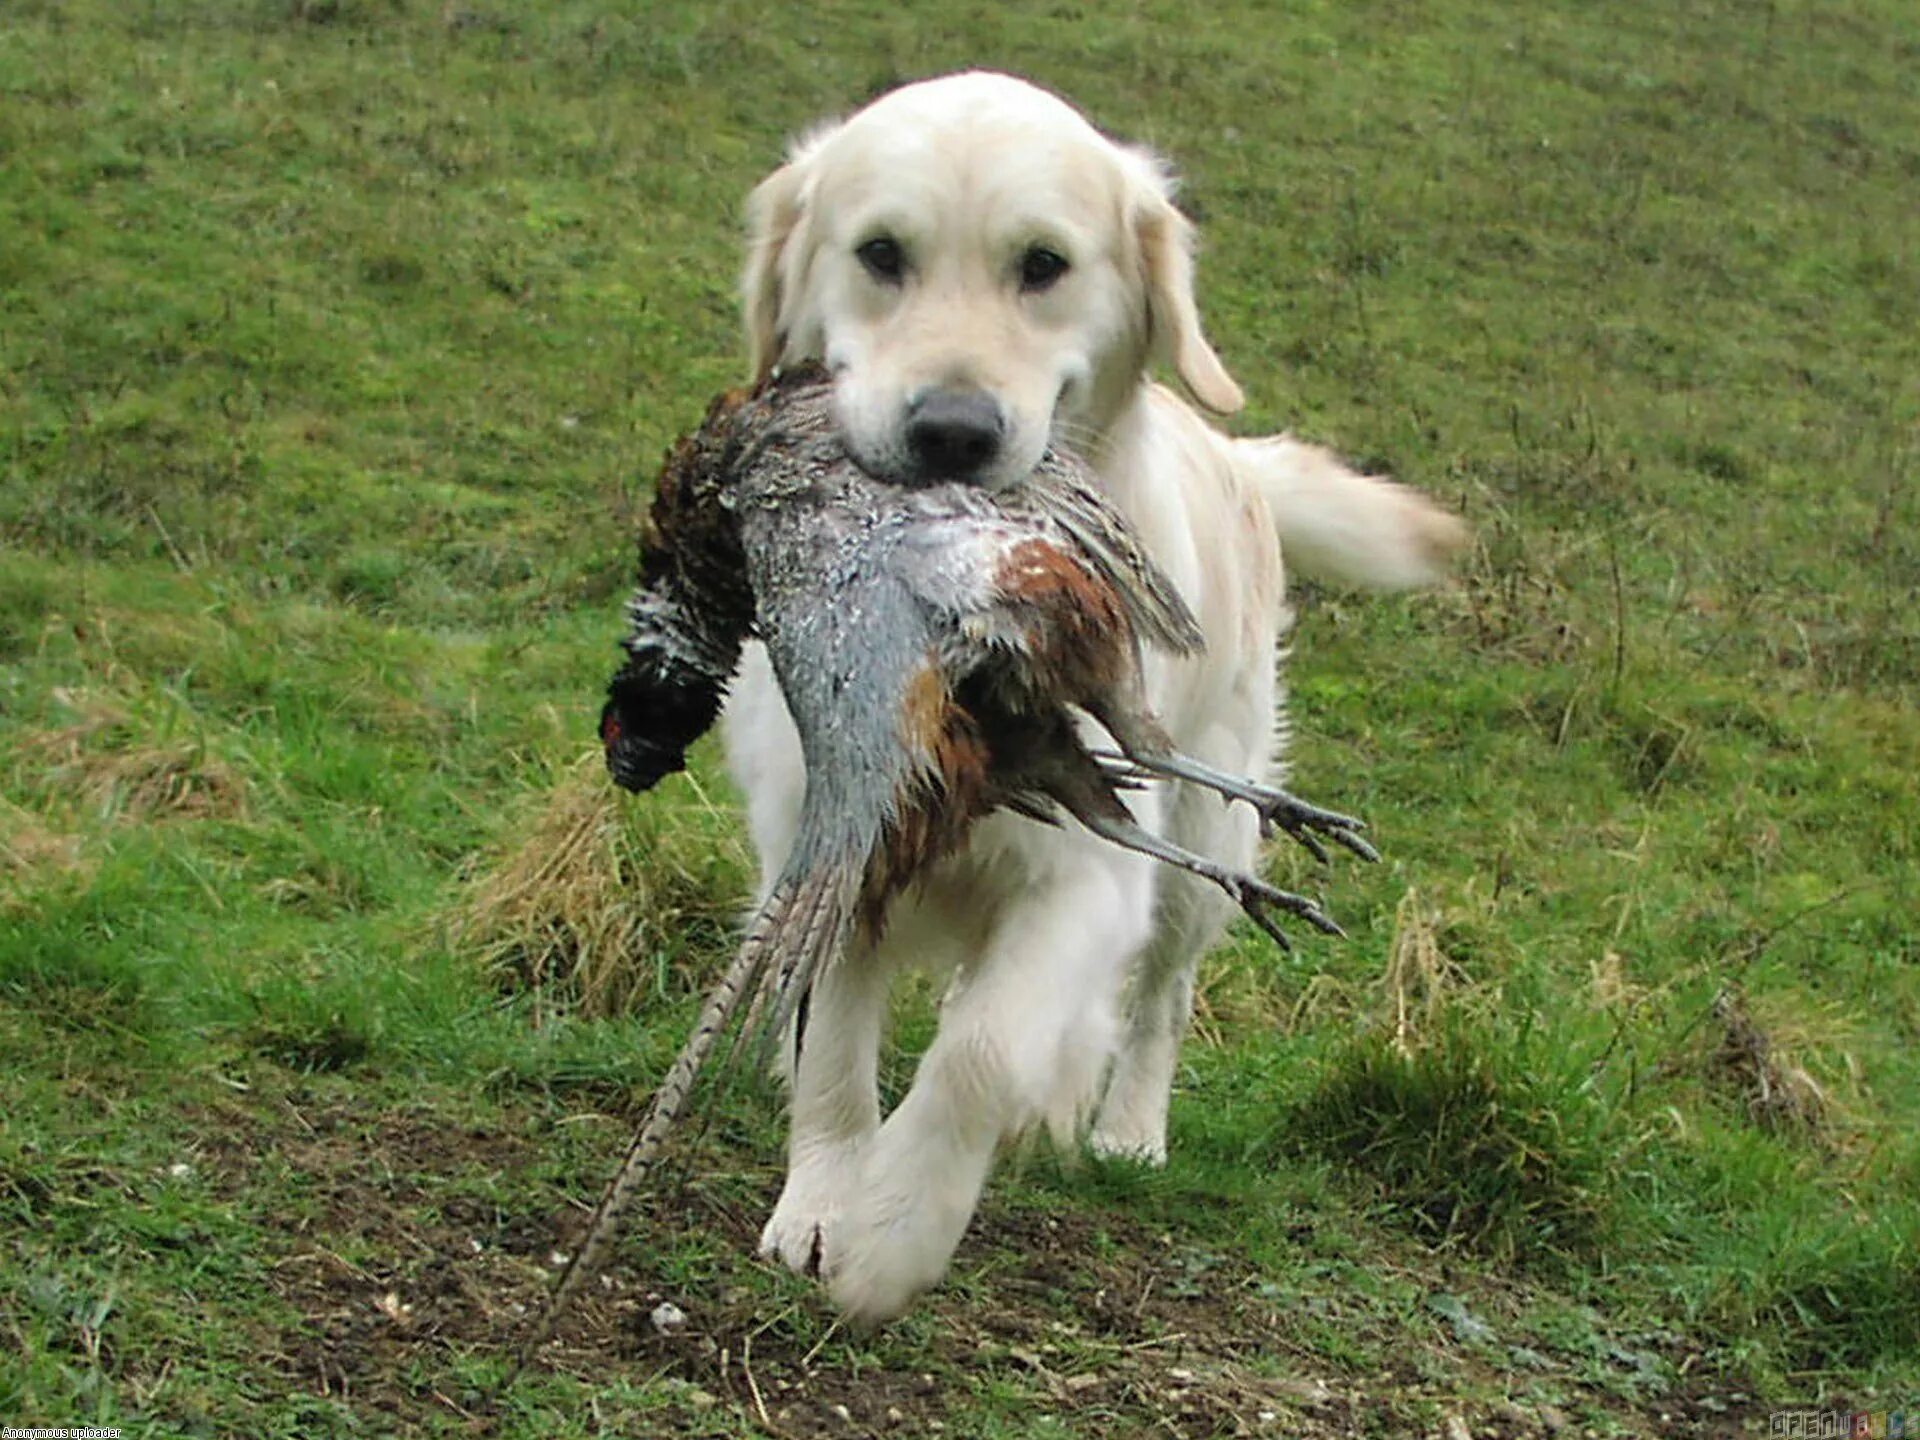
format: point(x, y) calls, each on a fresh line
point(895, 1237)
point(875, 1268)
point(807, 1212)
point(797, 1242)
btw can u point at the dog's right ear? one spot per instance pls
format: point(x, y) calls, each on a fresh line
point(1163, 239)
point(775, 212)
point(1173, 317)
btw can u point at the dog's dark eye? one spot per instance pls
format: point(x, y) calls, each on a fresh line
point(883, 259)
point(1040, 267)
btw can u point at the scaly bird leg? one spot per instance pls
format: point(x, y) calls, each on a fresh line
point(1252, 894)
point(1304, 822)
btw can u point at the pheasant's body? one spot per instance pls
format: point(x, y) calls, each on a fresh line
point(934, 646)
point(930, 642)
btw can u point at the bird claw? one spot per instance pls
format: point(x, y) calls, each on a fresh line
point(1307, 823)
point(1257, 898)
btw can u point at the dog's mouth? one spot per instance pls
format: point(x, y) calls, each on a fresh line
point(881, 461)
point(966, 438)
point(957, 435)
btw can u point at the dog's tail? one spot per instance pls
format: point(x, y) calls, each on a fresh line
point(1338, 525)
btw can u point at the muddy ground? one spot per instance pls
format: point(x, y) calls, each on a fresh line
point(403, 1282)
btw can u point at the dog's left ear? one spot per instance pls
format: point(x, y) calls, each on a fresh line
point(1173, 319)
point(774, 212)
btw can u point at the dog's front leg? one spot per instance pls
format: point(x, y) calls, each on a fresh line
point(834, 1108)
point(1024, 1039)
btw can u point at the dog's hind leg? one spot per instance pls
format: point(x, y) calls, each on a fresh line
point(1131, 1123)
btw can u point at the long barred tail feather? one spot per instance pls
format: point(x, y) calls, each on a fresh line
point(669, 1102)
point(812, 914)
point(799, 925)
point(819, 917)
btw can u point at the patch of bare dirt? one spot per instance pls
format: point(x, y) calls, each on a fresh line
point(398, 1268)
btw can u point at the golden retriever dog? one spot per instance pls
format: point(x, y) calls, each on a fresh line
point(985, 274)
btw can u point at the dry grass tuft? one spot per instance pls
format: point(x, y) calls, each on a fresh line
point(1419, 980)
point(593, 900)
point(1759, 1065)
point(102, 757)
point(1469, 1122)
point(1612, 990)
point(32, 853)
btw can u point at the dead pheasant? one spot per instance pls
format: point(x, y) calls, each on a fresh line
point(933, 645)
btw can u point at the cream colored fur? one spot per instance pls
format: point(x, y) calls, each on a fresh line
point(1071, 962)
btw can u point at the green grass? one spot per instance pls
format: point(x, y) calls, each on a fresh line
point(338, 342)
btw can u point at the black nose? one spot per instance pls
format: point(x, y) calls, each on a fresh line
point(954, 433)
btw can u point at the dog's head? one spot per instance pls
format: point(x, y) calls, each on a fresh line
point(981, 270)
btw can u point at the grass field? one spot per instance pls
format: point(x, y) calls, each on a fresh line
point(338, 342)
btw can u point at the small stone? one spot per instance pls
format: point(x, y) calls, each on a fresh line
point(668, 1318)
point(1181, 1374)
point(179, 1170)
point(475, 1246)
point(844, 1413)
point(557, 1258)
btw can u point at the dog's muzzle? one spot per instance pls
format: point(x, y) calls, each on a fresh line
point(954, 434)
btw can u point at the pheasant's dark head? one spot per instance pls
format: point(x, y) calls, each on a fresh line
point(641, 751)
